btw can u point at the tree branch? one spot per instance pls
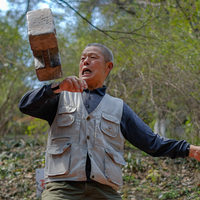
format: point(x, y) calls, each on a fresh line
point(122, 5)
point(83, 17)
point(188, 18)
point(27, 9)
point(106, 31)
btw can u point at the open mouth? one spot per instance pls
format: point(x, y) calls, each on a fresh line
point(86, 71)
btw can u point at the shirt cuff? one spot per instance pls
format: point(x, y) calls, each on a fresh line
point(50, 92)
point(187, 150)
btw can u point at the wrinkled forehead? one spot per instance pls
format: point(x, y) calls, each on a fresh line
point(92, 50)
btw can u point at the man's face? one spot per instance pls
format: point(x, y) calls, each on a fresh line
point(93, 68)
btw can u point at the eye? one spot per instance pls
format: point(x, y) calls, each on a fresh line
point(82, 58)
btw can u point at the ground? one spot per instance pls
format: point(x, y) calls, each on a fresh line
point(145, 177)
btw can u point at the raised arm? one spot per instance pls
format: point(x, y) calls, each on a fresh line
point(43, 102)
point(40, 103)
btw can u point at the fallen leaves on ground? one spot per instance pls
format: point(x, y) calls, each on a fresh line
point(145, 177)
point(149, 178)
point(19, 159)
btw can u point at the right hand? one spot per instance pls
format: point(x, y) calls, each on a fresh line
point(194, 152)
point(73, 84)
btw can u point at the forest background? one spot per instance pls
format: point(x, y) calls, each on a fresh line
point(156, 62)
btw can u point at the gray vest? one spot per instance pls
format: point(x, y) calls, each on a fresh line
point(74, 133)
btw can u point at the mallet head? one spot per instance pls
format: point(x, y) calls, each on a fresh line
point(43, 42)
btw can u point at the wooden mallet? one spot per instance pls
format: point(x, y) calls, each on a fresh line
point(43, 42)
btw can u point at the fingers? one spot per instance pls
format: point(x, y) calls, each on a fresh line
point(77, 85)
point(73, 84)
point(85, 86)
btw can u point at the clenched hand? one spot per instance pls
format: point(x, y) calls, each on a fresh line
point(71, 84)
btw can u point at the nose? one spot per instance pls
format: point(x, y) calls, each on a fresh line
point(86, 61)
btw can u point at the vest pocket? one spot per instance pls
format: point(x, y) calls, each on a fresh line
point(66, 116)
point(109, 124)
point(113, 162)
point(58, 158)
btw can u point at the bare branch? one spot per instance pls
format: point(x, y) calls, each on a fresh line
point(83, 17)
point(27, 9)
point(106, 31)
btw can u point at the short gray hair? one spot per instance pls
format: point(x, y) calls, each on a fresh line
point(107, 53)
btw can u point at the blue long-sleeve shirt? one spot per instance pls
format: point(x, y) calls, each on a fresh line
point(43, 103)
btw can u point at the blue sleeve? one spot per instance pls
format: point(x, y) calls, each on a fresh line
point(141, 136)
point(40, 103)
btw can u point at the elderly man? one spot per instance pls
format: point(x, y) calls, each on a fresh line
point(87, 130)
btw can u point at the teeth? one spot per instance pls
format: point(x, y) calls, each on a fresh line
point(87, 71)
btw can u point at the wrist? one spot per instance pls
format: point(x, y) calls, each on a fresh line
point(56, 88)
point(188, 150)
point(192, 151)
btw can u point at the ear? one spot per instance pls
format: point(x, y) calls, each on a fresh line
point(109, 66)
